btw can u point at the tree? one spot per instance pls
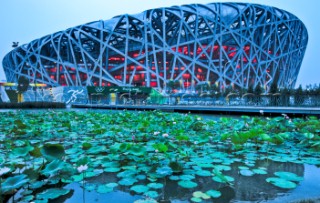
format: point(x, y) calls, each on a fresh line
point(257, 91)
point(273, 87)
point(274, 90)
point(298, 96)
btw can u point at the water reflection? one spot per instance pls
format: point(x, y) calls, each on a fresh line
point(244, 189)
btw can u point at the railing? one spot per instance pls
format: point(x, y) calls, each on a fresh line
point(248, 100)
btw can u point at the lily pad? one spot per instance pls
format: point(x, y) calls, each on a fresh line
point(224, 179)
point(53, 167)
point(104, 189)
point(203, 173)
point(127, 181)
point(281, 183)
point(139, 188)
point(164, 171)
point(213, 193)
point(260, 171)
point(201, 195)
point(112, 170)
point(145, 201)
point(246, 172)
point(52, 193)
point(155, 185)
point(151, 194)
point(288, 176)
point(14, 182)
point(196, 199)
point(53, 151)
point(187, 184)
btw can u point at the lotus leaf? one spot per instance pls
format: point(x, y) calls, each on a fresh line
point(104, 189)
point(127, 181)
point(139, 188)
point(14, 182)
point(36, 152)
point(155, 185)
point(37, 184)
point(90, 186)
point(83, 161)
point(22, 151)
point(86, 145)
point(112, 170)
point(288, 176)
point(214, 193)
point(222, 168)
point(52, 151)
point(151, 194)
point(186, 177)
point(164, 171)
point(40, 201)
point(96, 150)
point(27, 198)
point(127, 173)
point(201, 195)
point(52, 193)
point(112, 185)
point(174, 177)
point(223, 179)
point(196, 199)
point(246, 172)
point(260, 171)
point(141, 177)
point(53, 167)
point(137, 150)
point(282, 183)
point(77, 178)
point(187, 184)
point(161, 147)
point(203, 173)
point(145, 201)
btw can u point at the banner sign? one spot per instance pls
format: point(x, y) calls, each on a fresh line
point(107, 90)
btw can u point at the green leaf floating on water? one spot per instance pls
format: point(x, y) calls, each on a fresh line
point(213, 193)
point(104, 189)
point(246, 172)
point(187, 184)
point(282, 183)
point(223, 179)
point(260, 171)
point(288, 176)
point(145, 201)
point(152, 194)
point(53, 167)
point(14, 182)
point(196, 199)
point(203, 173)
point(139, 188)
point(155, 185)
point(52, 193)
point(127, 181)
point(52, 151)
point(164, 171)
point(22, 151)
point(199, 194)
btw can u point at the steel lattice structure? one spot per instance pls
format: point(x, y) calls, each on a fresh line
point(221, 43)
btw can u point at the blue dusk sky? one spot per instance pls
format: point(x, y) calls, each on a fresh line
point(25, 20)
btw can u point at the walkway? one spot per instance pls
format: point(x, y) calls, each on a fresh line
point(299, 111)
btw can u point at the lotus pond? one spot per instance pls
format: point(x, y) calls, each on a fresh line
point(146, 157)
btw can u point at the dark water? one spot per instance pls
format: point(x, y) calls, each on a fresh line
point(245, 189)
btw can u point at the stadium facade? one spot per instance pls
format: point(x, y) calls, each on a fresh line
point(225, 44)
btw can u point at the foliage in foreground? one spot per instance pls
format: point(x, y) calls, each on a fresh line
point(43, 151)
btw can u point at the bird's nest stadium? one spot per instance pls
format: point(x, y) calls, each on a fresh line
point(238, 44)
